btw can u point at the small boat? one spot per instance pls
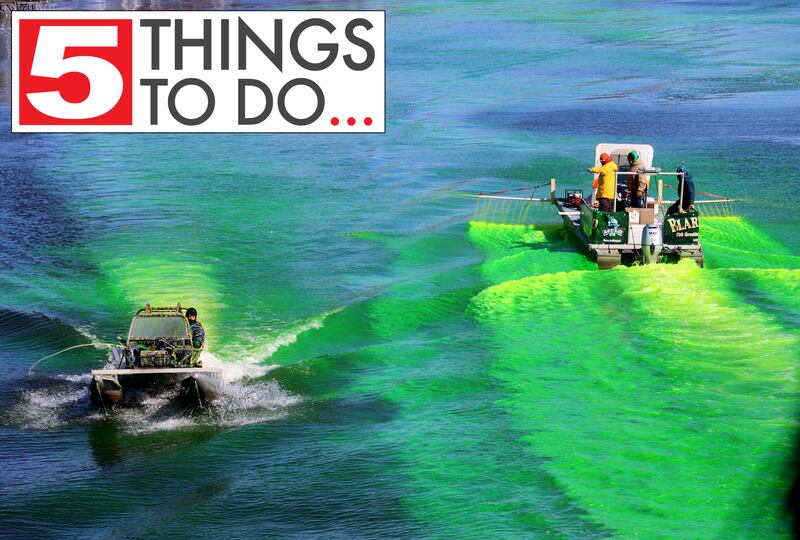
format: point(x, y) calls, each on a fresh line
point(628, 235)
point(157, 355)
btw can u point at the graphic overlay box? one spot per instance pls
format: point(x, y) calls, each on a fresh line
point(199, 71)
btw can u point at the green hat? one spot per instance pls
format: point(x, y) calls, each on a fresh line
point(633, 154)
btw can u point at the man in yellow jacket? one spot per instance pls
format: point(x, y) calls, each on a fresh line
point(606, 182)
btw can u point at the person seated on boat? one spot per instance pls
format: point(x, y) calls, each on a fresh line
point(637, 183)
point(606, 182)
point(686, 193)
point(198, 332)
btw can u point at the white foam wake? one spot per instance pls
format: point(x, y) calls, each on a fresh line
point(247, 360)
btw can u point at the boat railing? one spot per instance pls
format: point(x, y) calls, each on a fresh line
point(717, 205)
point(162, 311)
point(552, 183)
point(713, 205)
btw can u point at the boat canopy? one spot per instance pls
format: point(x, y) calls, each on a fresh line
point(619, 153)
point(154, 327)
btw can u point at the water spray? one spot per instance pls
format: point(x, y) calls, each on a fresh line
point(503, 207)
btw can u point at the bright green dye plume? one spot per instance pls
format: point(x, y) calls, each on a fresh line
point(662, 398)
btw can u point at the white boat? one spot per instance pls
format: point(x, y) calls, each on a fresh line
point(627, 235)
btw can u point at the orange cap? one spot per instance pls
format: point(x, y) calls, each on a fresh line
point(604, 158)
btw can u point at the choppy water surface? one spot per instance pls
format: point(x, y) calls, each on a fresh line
point(396, 368)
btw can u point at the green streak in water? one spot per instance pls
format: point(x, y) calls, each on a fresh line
point(660, 399)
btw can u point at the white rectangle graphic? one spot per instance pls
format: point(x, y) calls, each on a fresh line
point(198, 71)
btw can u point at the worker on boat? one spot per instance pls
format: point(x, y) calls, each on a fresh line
point(637, 183)
point(686, 193)
point(198, 332)
point(606, 183)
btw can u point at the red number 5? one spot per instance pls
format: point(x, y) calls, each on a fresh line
point(75, 72)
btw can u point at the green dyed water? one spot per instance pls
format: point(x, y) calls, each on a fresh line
point(662, 397)
point(400, 363)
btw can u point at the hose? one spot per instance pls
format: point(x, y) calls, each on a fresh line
point(98, 345)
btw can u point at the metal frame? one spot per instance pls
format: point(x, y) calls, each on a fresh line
point(149, 311)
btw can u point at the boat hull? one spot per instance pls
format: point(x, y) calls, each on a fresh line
point(105, 392)
point(197, 386)
point(201, 389)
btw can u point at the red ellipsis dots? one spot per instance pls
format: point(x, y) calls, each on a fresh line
point(351, 121)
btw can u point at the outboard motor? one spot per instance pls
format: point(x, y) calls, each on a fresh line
point(651, 243)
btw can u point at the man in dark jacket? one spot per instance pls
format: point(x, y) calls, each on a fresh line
point(198, 333)
point(685, 192)
point(637, 183)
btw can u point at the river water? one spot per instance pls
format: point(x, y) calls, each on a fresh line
point(395, 367)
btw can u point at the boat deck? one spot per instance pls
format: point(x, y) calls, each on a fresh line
point(154, 371)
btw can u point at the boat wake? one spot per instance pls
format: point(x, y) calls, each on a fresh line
point(675, 357)
point(51, 402)
point(239, 405)
point(254, 349)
